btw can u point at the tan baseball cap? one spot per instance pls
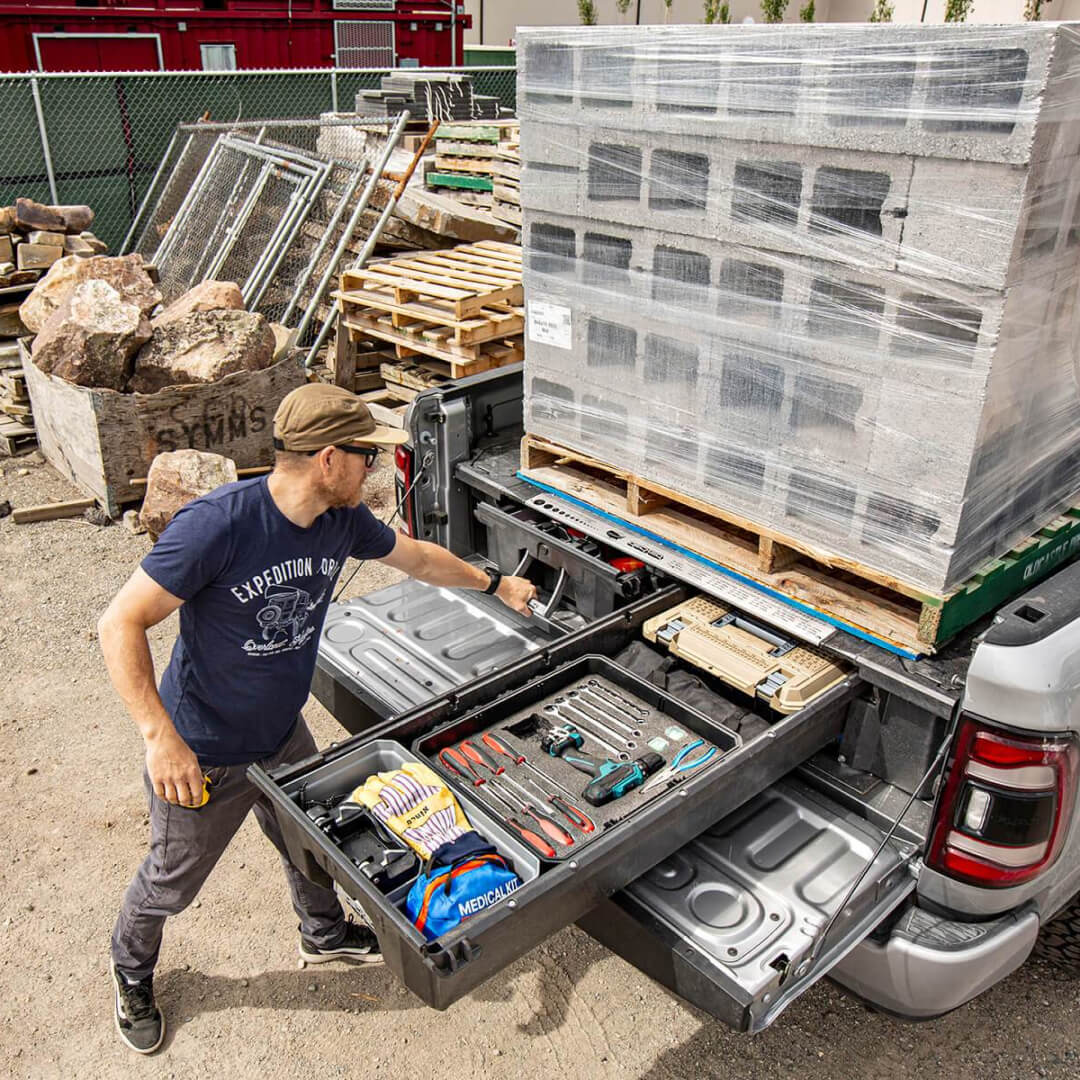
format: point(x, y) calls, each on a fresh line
point(317, 415)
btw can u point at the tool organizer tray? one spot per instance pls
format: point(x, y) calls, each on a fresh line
point(658, 716)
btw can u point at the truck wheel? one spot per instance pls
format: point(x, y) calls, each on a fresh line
point(1059, 939)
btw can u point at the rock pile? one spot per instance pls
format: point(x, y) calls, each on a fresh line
point(93, 326)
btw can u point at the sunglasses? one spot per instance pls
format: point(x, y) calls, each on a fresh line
point(370, 453)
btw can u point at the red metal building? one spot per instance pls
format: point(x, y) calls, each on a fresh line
point(177, 35)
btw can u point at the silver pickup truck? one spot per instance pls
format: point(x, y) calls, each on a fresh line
point(911, 832)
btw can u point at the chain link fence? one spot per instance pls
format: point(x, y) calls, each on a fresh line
point(99, 138)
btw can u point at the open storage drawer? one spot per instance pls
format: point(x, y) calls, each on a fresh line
point(444, 970)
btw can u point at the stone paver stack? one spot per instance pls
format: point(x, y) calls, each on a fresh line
point(821, 277)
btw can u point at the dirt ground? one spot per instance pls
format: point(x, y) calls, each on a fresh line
point(73, 828)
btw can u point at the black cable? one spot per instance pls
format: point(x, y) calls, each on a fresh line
point(394, 514)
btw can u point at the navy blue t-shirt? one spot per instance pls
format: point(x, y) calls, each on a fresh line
point(255, 588)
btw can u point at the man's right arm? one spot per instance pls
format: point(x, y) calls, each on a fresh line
point(173, 768)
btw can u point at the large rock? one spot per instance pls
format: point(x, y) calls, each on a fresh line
point(125, 274)
point(203, 347)
point(31, 215)
point(175, 479)
point(206, 296)
point(92, 337)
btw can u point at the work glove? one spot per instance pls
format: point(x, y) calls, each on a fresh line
point(415, 805)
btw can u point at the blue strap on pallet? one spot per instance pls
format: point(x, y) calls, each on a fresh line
point(719, 568)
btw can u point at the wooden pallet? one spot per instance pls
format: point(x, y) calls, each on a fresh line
point(385, 408)
point(508, 212)
point(423, 339)
point(507, 191)
point(457, 180)
point(859, 596)
point(16, 437)
point(492, 131)
point(416, 376)
point(452, 284)
point(471, 165)
point(507, 170)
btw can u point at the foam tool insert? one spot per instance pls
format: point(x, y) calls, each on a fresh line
point(620, 717)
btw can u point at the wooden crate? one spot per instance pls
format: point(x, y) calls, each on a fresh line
point(865, 599)
point(101, 440)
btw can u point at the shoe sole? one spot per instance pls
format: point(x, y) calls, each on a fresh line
point(120, 1030)
point(349, 958)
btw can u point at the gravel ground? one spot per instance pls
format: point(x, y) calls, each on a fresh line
point(73, 828)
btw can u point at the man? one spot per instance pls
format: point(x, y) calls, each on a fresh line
point(252, 567)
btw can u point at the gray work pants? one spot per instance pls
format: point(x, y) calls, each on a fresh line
point(186, 844)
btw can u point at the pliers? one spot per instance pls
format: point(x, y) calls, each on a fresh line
point(682, 763)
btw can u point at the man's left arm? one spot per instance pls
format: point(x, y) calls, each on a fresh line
point(435, 565)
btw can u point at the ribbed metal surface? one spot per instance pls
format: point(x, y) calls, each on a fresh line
point(410, 642)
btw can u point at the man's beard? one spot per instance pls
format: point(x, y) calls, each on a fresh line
point(343, 495)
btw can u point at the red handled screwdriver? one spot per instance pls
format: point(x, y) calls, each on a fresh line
point(576, 817)
point(481, 757)
point(493, 743)
point(460, 766)
point(501, 748)
point(538, 843)
point(548, 825)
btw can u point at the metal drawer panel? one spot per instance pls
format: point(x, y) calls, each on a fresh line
point(743, 903)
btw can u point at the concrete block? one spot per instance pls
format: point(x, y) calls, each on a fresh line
point(881, 88)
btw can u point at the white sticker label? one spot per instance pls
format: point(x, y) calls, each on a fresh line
point(549, 324)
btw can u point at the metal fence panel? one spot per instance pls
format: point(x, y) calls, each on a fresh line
point(106, 133)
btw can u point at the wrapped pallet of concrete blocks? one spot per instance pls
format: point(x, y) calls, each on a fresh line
point(820, 277)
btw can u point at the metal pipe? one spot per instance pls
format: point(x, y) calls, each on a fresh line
point(150, 190)
point(324, 240)
point(333, 91)
point(169, 239)
point(46, 153)
point(376, 174)
point(300, 205)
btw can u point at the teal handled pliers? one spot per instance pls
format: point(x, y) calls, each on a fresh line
point(683, 763)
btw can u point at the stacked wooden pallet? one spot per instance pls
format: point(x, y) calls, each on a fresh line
point(459, 311)
point(466, 156)
point(506, 189)
point(16, 422)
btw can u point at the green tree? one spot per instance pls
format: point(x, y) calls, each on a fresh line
point(806, 14)
point(586, 10)
point(622, 6)
point(1033, 10)
point(883, 11)
point(958, 10)
point(773, 10)
point(712, 11)
point(667, 9)
point(725, 12)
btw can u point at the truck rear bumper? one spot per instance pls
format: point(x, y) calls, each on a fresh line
point(929, 965)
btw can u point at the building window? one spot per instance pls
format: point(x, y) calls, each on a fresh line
point(220, 57)
point(363, 44)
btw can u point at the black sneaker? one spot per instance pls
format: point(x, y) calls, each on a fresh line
point(138, 1019)
point(358, 946)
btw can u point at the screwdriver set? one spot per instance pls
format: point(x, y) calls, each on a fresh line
point(574, 753)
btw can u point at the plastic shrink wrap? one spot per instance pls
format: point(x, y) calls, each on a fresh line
point(823, 278)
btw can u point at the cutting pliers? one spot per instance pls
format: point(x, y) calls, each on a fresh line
point(683, 763)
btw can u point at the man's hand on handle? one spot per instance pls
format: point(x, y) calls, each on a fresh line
point(174, 770)
point(516, 592)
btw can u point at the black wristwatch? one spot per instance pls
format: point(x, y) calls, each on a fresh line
point(495, 576)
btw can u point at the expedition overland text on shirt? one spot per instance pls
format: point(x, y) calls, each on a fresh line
point(256, 588)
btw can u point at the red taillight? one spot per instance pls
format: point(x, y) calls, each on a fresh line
point(403, 473)
point(1003, 812)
